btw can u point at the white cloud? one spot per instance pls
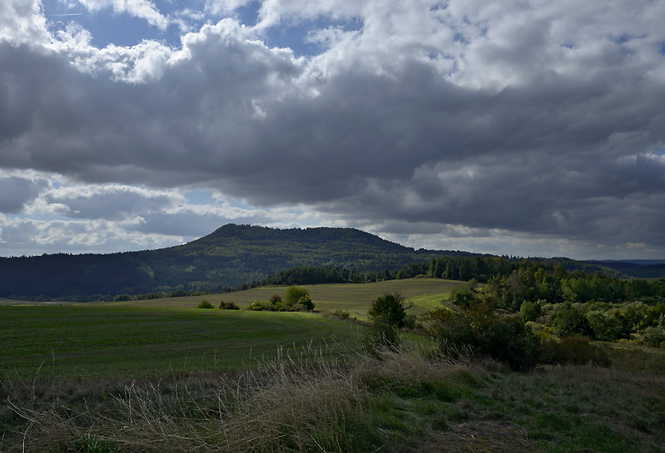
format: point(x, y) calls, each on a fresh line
point(21, 23)
point(143, 9)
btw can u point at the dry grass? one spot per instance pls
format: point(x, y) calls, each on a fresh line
point(305, 401)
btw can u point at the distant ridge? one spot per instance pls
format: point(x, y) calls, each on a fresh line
point(231, 255)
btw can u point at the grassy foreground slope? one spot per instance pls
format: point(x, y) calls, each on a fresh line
point(85, 341)
point(165, 377)
point(143, 337)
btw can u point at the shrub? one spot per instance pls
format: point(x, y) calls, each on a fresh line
point(305, 303)
point(294, 294)
point(205, 304)
point(387, 314)
point(574, 350)
point(530, 311)
point(463, 297)
point(609, 325)
point(228, 306)
point(296, 299)
point(510, 341)
point(389, 309)
point(569, 321)
point(260, 306)
point(341, 314)
point(655, 336)
point(477, 327)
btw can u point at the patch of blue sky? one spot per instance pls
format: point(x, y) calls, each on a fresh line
point(248, 14)
point(108, 27)
point(199, 197)
point(296, 35)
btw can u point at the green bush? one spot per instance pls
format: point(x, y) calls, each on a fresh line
point(477, 327)
point(463, 297)
point(228, 306)
point(205, 304)
point(510, 341)
point(389, 309)
point(387, 314)
point(294, 294)
point(655, 336)
point(341, 314)
point(260, 306)
point(530, 311)
point(296, 299)
point(575, 350)
point(569, 321)
point(609, 325)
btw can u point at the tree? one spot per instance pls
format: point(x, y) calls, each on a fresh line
point(569, 321)
point(387, 314)
point(389, 309)
point(205, 304)
point(298, 295)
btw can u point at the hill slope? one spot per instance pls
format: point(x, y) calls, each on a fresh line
point(231, 255)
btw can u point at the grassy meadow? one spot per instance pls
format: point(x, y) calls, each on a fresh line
point(164, 376)
point(151, 336)
point(424, 293)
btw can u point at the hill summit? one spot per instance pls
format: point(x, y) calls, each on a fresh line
point(231, 255)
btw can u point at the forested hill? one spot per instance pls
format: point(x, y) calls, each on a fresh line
point(232, 255)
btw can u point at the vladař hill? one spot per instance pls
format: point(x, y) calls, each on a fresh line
point(232, 255)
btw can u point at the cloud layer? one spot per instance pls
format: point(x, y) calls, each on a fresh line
point(509, 127)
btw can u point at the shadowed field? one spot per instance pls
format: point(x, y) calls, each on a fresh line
point(143, 337)
point(98, 340)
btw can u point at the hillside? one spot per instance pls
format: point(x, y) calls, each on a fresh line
point(231, 255)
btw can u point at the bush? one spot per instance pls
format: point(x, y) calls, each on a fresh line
point(294, 294)
point(655, 336)
point(296, 299)
point(609, 325)
point(477, 327)
point(530, 311)
point(341, 314)
point(260, 306)
point(228, 306)
point(574, 350)
point(205, 304)
point(387, 314)
point(389, 309)
point(569, 321)
point(510, 341)
point(463, 297)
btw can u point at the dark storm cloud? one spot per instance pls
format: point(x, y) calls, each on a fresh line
point(16, 192)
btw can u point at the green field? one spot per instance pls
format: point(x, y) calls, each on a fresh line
point(161, 375)
point(94, 340)
point(425, 294)
point(147, 337)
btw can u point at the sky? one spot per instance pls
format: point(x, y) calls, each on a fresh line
point(524, 128)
